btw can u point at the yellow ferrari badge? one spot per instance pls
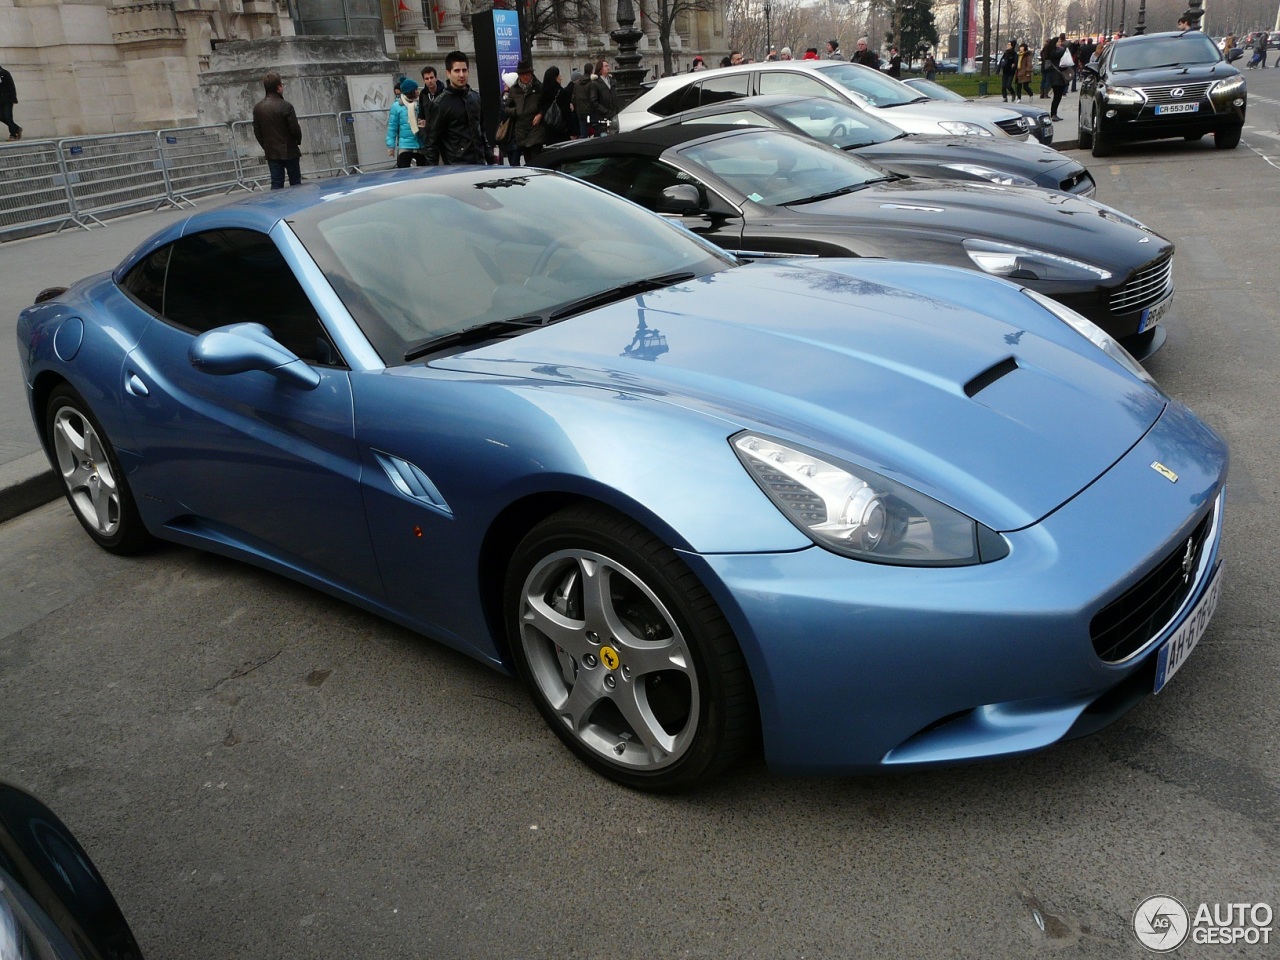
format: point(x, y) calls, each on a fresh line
point(609, 657)
point(1164, 471)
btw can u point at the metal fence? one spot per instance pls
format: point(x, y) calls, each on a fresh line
point(83, 181)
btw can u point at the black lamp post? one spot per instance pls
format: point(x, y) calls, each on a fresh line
point(629, 73)
point(768, 29)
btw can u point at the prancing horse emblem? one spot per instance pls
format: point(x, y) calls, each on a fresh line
point(1164, 471)
point(1188, 560)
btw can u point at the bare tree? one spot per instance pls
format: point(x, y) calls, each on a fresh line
point(561, 20)
point(1047, 17)
point(663, 15)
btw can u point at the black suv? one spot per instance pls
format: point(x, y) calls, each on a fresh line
point(1160, 85)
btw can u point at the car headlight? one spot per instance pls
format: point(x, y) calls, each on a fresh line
point(15, 942)
point(1227, 87)
point(986, 173)
point(1026, 263)
point(859, 513)
point(1123, 96)
point(963, 128)
point(1093, 333)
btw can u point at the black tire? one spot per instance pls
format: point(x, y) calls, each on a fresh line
point(1086, 136)
point(1101, 142)
point(625, 653)
point(1227, 139)
point(92, 480)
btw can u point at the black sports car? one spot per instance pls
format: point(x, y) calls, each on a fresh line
point(766, 193)
point(1157, 86)
point(843, 125)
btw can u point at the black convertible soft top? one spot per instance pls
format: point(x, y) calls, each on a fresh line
point(647, 141)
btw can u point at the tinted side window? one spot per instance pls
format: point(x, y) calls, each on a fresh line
point(683, 99)
point(779, 81)
point(719, 89)
point(145, 282)
point(235, 276)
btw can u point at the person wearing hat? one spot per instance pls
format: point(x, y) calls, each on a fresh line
point(833, 50)
point(784, 53)
point(403, 136)
point(698, 64)
point(527, 136)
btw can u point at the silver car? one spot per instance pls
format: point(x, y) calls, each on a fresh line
point(861, 86)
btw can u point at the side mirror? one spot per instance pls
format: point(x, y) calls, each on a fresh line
point(239, 347)
point(681, 199)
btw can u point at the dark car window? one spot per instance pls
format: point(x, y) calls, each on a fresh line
point(639, 179)
point(719, 89)
point(235, 276)
point(685, 98)
point(145, 282)
point(743, 118)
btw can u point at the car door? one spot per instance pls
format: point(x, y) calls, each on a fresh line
point(247, 459)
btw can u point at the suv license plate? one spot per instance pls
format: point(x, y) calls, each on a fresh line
point(1173, 654)
point(1165, 108)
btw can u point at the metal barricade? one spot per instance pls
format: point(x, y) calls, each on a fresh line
point(199, 160)
point(33, 187)
point(364, 140)
point(321, 149)
point(115, 172)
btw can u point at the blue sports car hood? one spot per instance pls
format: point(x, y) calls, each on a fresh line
point(984, 400)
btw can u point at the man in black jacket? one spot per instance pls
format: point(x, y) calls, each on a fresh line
point(604, 104)
point(276, 126)
point(8, 97)
point(456, 131)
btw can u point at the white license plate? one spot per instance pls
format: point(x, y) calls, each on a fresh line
point(1173, 654)
point(1177, 108)
point(1151, 316)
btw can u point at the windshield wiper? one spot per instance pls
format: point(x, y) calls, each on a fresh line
point(476, 334)
point(837, 193)
point(620, 292)
point(858, 145)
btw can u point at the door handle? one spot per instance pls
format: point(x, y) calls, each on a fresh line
point(133, 383)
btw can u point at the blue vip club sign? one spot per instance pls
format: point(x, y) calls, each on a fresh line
point(506, 36)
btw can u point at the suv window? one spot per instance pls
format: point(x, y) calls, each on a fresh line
point(234, 276)
point(780, 81)
point(684, 98)
point(719, 89)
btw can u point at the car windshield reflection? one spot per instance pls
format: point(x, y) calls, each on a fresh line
point(1165, 52)
point(776, 169)
point(878, 90)
point(442, 255)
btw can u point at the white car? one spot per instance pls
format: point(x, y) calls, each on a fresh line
point(871, 90)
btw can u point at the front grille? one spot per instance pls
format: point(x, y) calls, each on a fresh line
point(1150, 284)
point(1163, 93)
point(1128, 624)
point(1017, 127)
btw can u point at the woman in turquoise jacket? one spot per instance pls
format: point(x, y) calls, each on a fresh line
point(405, 127)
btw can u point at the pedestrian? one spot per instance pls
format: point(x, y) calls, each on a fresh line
point(456, 131)
point(1008, 68)
point(404, 130)
point(1075, 46)
point(523, 107)
point(895, 63)
point(1046, 58)
point(930, 66)
point(1228, 44)
point(1026, 70)
point(863, 55)
point(735, 57)
point(275, 125)
point(604, 102)
point(1054, 66)
point(833, 50)
point(784, 53)
point(582, 97)
point(8, 97)
point(810, 53)
point(554, 107)
point(1260, 48)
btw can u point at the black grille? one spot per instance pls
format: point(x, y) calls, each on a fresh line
point(1163, 93)
point(1150, 284)
point(1017, 127)
point(1125, 626)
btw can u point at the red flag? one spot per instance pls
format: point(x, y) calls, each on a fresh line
point(403, 5)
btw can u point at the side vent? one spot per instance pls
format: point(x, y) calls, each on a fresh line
point(989, 376)
point(412, 482)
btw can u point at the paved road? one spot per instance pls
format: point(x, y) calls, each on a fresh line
point(262, 772)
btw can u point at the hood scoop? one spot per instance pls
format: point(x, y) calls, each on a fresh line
point(989, 376)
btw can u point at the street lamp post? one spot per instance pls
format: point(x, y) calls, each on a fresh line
point(768, 30)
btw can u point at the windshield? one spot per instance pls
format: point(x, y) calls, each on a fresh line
point(436, 255)
point(776, 168)
point(934, 91)
point(838, 124)
point(1193, 48)
point(872, 85)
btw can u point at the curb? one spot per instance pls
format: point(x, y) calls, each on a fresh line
point(27, 483)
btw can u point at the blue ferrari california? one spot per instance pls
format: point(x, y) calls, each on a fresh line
point(871, 514)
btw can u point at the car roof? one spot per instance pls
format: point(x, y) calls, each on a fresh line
point(650, 141)
point(763, 101)
point(1130, 41)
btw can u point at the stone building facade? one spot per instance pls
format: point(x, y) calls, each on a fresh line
point(108, 66)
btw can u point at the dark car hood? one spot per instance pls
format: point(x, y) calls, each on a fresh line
point(1029, 159)
point(856, 357)
point(1026, 216)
